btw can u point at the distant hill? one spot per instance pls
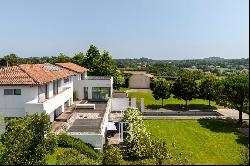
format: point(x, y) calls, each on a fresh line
point(214, 58)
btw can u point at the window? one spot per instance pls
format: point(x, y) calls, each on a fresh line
point(17, 91)
point(12, 91)
point(47, 91)
point(8, 91)
point(66, 80)
point(100, 93)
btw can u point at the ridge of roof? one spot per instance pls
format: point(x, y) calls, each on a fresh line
point(28, 75)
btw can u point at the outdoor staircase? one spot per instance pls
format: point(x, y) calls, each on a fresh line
point(123, 149)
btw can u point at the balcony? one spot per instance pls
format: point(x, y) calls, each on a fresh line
point(49, 105)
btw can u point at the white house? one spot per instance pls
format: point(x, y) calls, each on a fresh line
point(36, 88)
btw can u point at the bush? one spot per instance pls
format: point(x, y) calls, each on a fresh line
point(73, 157)
point(142, 162)
point(159, 151)
point(27, 140)
point(138, 139)
point(75, 143)
point(112, 156)
point(74, 95)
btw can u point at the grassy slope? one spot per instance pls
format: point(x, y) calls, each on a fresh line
point(171, 103)
point(201, 142)
point(51, 159)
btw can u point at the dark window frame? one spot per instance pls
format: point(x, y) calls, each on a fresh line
point(6, 91)
point(16, 92)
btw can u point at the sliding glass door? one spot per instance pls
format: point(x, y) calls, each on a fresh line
point(100, 93)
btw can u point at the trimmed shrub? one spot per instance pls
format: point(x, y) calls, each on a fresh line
point(75, 143)
point(112, 156)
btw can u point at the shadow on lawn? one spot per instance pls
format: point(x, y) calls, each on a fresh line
point(181, 107)
point(225, 126)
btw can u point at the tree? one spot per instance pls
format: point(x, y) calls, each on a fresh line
point(9, 60)
point(185, 87)
point(104, 66)
point(234, 93)
point(27, 140)
point(119, 80)
point(62, 58)
point(112, 156)
point(79, 58)
point(207, 88)
point(92, 57)
point(162, 89)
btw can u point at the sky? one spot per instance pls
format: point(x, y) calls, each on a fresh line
point(156, 29)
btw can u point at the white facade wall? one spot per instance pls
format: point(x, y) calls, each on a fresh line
point(13, 105)
point(80, 84)
point(53, 103)
point(119, 104)
point(27, 102)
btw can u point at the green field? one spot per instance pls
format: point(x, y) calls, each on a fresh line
point(201, 141)
point(172, 103)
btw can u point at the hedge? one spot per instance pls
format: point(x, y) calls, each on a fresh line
point(75, 143)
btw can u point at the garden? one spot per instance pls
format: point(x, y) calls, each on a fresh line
point(172, 103)
point(202, 141)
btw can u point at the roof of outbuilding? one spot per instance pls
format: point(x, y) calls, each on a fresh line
point(73, 67)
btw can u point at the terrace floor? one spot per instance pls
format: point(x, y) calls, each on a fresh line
point(88, 120)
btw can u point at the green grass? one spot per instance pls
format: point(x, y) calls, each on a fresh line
point(121, 90)
point(201, 141)
point(51, 158)
point(172, 103)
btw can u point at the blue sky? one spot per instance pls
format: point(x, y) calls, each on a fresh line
point(157, 29)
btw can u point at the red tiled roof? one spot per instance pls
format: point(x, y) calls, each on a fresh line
point(14, 76)
point(30, 74)
point(73, 67)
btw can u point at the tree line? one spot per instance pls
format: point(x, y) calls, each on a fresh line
point(99, 64)
point(231, 91)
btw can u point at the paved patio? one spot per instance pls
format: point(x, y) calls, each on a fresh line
point(88, 120)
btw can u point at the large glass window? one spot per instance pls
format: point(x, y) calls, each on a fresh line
point(100, 93)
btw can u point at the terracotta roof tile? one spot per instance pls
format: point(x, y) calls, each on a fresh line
point(14, 76)
point(43, 73)
point(73, 67)
point(31, 74)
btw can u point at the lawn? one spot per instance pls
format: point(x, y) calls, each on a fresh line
point(172, 103)
point(121, 90)
point(201, 141)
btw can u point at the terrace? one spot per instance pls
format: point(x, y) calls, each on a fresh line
point(88, 120)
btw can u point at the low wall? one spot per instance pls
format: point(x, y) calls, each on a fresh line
point(182, 113)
